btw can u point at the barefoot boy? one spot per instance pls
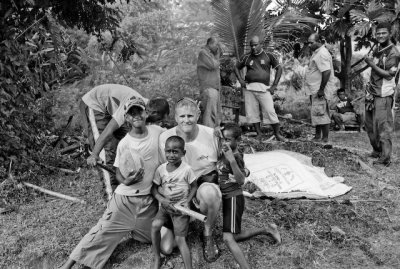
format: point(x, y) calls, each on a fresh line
point(173, 177)
point(231, 171)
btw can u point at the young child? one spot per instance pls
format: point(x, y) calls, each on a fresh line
point(232, 172)
point(173, 177)
point(158, 110)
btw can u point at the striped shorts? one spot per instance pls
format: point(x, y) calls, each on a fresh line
point(232, 211)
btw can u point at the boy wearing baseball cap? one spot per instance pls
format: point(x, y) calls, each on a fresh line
point(131, 207)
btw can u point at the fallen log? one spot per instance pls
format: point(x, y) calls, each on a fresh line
point(53, 193)
point(69, 148)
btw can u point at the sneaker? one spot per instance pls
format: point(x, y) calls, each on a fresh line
point(210, 249)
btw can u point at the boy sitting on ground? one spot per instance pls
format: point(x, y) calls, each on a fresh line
point(173, 177)
point(232, 172)
point(344, 111)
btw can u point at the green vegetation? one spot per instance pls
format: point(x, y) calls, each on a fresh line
point(52, 52)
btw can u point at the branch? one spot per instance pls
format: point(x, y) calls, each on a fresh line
point(53, 193)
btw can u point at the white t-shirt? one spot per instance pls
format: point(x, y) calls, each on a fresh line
point(320, 61)
point(201, 154)
point(147, 147)
point(176, 181)
point(110, 99)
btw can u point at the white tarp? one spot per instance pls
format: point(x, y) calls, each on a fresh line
point(286, 174)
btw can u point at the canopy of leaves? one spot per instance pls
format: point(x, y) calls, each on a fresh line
point(237, 21)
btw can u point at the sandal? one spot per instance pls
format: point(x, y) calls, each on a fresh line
point(210, 249)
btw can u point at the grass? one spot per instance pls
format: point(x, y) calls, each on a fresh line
point(41, 233)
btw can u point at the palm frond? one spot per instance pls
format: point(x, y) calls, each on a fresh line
point(236, 21)
point(358, 15)
point(255, 22)
point(360, 29)
point(286, 28)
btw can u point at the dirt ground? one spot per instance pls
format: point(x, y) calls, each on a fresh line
point(358, 230)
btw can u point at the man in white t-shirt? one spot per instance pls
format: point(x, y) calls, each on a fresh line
point(107, 104)
point(131, 207)
point(201, 154)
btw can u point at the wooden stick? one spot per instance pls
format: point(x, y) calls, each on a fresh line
point(53, 193)
point(96, 134)
point(341, 201)
point(70, 148)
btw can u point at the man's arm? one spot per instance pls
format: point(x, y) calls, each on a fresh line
point(239, 77)
point(111, 127)
point(325, 78)
point(381, 72)
point(278, 75)
point(207, 61)
point(192, 193)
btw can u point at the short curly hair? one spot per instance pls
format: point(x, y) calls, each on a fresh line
point(234, 128)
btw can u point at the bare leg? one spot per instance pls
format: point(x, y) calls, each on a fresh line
point(325, 132)
point(168, 242)
point(270, 229)
point(235, 250)
point(257, 126)
point(185, 252)
point(318, 131)
point(209, 197)
point(68, 264)
point(156, 239)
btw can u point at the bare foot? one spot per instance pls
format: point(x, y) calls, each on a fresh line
point(272, 229)
point(280, 138)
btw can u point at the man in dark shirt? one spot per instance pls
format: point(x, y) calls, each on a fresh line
point(344, 110)
point(256, 87)
point(379, 96)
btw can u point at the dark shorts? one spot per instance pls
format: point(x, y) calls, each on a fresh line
point(232, 211)
point(174, 221)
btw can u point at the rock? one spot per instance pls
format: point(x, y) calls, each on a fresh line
point(336, 230)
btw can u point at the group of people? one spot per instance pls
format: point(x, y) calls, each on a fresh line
point(188, 165)
point(199, 166)
point(379, 99)
point(255, 84)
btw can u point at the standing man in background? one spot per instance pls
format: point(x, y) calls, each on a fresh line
point(319, 79)
point(210, 83)
point(379, 97)
point(256, 87)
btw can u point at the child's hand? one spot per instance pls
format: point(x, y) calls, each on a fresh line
point(185, 204)
point(134, 177)
point(226, 149)
point(175, 197)
point(167, 203)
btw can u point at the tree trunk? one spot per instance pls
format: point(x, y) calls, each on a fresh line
point(342, 63)
point(347, 73)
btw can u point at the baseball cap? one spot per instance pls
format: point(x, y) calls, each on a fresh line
point(134, 101)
